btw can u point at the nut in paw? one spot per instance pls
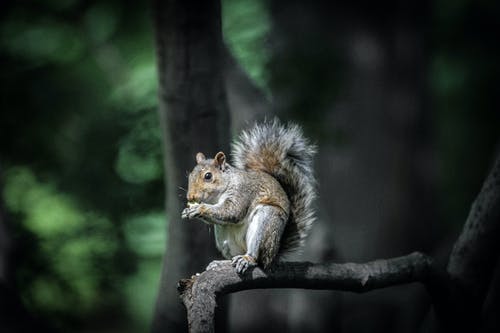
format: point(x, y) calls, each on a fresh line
point(191, 212)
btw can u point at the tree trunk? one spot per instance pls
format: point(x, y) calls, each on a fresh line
point(194, 117)
point(354, 74)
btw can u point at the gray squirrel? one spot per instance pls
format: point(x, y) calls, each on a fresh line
point(261, 206)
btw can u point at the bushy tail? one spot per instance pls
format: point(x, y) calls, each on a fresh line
point(283, 152)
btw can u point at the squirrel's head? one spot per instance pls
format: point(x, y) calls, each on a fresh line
point(207, 181)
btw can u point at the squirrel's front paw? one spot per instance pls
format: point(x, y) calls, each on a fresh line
point(191, 211)
point(243, 262)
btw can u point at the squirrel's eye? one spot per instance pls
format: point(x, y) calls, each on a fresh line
point(208, 176)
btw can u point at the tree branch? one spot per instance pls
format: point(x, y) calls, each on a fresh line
point(478, 246)
point(472, 260)
point(200, 293)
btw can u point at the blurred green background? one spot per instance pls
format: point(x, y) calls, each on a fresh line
point(81, 163)
point(81, 153)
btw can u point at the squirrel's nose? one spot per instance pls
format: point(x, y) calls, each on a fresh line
point(190, 197)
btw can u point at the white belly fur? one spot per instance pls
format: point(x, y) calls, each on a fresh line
point(230, 239)
point(233, 240)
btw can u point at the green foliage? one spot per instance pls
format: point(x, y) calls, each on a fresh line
point(74, 242)
point(47, 213)
point(40, 40)
point(140, 300)
point(138, 91)
point(246, 26)
point(100, 21)
point(81, 159)
point(139, 154)
point(145, 234)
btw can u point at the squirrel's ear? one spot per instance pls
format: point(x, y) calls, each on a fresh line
point(200, 158)
point(220, 160)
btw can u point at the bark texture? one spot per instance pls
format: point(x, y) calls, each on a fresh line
point(194, 117)
point(473, 259)
point(201, 292)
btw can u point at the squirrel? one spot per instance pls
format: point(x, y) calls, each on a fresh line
point(261, 206)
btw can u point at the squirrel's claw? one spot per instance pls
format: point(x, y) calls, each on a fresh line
point(243, 262)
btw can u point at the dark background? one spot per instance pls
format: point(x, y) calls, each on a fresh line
point(401, 98)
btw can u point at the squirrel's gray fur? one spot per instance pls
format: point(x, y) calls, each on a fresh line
point(261, 207)
point(294, 171)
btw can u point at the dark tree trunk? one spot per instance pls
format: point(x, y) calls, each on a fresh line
point(355, 71)
point(194, 117)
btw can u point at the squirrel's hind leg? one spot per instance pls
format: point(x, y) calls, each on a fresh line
point(262, 238)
